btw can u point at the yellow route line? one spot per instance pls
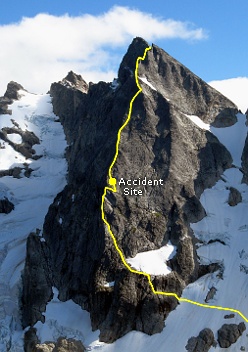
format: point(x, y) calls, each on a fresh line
point(112, 182)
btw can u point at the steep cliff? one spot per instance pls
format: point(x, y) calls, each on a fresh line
point(161, 142)
point(245, 161)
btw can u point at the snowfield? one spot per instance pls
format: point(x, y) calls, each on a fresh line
point(235, 89)
point(31, 197)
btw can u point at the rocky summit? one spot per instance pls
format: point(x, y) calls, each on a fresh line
point(169, 155)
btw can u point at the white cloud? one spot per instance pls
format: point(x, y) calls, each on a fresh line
point(235, 89)
point(39, 50)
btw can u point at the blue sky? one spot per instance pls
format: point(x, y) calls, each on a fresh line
point(221, 53)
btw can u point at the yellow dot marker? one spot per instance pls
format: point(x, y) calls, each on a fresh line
point(112, 181)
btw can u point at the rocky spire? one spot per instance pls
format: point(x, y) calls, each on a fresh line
point(127, 66)
point(75, 81)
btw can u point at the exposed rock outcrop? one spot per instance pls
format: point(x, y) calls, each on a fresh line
point(202, 343)
point(28, 140)
point(12, 91)
point(36, 275)
point(228, 334)
point(30, 340)
point(62, 345)
point(159, 142)
point(6, 206)
point(70, 100)
point(245, 161)
point(72, 80)
point(10, 95)
point(235, 197)
point(44, 347)
point(229, 316)
point(211, 294)
point(16, 171)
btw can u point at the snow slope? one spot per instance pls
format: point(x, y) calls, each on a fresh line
point(31, 197)
point(234, 89)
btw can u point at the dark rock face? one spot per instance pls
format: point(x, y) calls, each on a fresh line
point(244, 159)
point(235, 197)
point(4, 102)
point(70, 101)
point(16, 171)
point(187, 91)
point(12, 90)
point(202, 343)
point(214, 158)
point(159, 142)
point(228, 334)
point(229, 316)
point(6, 206)
point(10, 95)
point(30, 340)
point(28, 140)
point(36, 274)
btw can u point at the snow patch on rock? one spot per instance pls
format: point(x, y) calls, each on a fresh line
point(197, 121)
point(153, 262)
point(145, 80)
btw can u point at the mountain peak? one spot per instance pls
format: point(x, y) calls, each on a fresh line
point(185, 90)
point(75, 81)
point(127, 66)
